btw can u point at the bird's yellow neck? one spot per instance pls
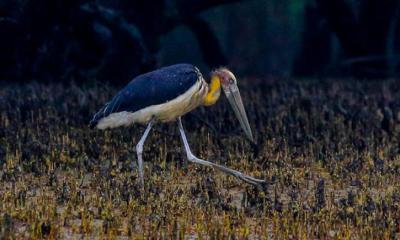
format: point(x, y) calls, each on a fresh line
point(214, 91)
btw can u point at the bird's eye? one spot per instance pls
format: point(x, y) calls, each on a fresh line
point(231, 81)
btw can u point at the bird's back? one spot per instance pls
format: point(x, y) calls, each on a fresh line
point(153, 88)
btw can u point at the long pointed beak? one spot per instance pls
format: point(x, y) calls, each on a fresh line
point(234, 98)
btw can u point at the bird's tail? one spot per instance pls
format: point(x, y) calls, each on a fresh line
point(96, 118)
point(93, 123)
point(104, 111)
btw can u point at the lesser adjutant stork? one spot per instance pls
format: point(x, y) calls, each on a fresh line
point(165, 95)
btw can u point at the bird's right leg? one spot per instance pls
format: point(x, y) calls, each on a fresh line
point(224, 169)
point(139, 151)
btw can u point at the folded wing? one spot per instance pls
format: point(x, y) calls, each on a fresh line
point(149, 89)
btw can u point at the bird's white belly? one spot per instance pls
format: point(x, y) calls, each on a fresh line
point(164, 112)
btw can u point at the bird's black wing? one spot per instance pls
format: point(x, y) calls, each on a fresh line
point(149, 89)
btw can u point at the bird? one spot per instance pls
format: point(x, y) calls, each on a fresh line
point(165, 95)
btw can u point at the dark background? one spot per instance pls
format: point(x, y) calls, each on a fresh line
point(54, 40)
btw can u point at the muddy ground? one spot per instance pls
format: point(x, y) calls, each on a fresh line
point(328, 149)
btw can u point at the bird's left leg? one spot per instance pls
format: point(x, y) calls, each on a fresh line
point(230, 171)
point(139, 150)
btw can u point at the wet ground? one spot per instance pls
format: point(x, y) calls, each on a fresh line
point(329, 150)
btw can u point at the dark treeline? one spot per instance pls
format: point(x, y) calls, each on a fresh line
point(368, 33)
point(55, 40)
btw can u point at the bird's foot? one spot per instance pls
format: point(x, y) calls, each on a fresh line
point(240, 175)
point(235, 173)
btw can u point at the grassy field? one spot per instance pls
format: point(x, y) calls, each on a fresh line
point(329, 150)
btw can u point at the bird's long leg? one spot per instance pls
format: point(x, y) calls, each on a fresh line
point(195, 159)
point(139, 150)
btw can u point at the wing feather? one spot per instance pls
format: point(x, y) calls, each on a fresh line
point(149, 89)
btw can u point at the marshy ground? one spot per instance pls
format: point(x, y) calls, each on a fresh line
point(329, 150)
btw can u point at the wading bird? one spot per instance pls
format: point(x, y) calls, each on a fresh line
point(167, 94)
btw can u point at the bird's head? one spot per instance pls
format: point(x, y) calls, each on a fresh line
point(225, 79)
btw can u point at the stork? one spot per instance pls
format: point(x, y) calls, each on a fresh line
point(165, 95)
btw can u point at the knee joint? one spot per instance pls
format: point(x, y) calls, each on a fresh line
point(139, 148)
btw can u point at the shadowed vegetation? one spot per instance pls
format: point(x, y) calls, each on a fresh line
point(330, 152)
